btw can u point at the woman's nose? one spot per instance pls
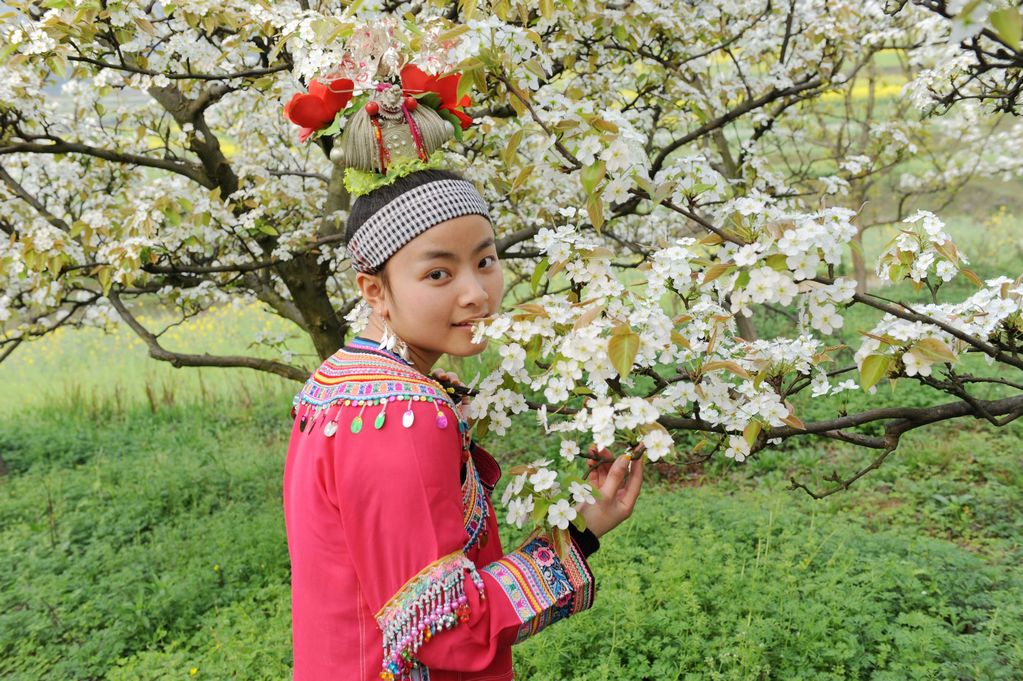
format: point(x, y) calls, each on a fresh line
point(474, 292)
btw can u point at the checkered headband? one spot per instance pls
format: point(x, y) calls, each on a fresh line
point(407, 216)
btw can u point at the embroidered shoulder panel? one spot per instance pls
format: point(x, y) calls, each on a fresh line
point(367, 376)
point(431, 602)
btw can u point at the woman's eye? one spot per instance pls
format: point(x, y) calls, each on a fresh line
point(437, 275)
point(488, 261)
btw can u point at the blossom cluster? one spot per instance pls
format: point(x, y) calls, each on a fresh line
point(921, 250)
point(536, 490)
point(912, 348)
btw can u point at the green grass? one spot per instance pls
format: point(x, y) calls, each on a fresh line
point(95, 368)
point(146, 546)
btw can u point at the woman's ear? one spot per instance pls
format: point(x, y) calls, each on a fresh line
point(372, 290)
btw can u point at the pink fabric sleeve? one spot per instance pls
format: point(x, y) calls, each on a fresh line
point(400, 502)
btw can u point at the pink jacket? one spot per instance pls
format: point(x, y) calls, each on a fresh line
point(397, 568)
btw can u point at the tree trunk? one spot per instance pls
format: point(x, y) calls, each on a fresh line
point(307, 283)
point(747, 330)
point(307, 280)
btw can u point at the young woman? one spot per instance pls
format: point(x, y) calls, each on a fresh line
point(397, 568)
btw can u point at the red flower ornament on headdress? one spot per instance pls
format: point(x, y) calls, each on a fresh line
point(414, 81)
point(318, 108)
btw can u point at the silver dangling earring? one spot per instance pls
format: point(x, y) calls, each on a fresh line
point(392, 343)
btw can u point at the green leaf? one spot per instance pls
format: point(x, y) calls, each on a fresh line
point(508, 155)
point(540, 509)
point(453, 120)
point(6, 51)
point(538, 272)
point(591, 176)
point(481, 427)
point(105, 277)
point(663, 191)
point(1008, 23)
point(751, 431)
point(622, 349)
point(467, 8)
point(521, 178)
point(873, 369)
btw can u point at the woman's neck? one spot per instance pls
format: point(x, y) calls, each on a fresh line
point(422, 362)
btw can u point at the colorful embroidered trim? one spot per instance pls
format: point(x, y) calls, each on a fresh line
point(431, 602)
point(362, 375)
point(370, 374)
point(475, 508)
point(542, 588)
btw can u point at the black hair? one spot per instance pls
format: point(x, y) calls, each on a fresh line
point(368, 204)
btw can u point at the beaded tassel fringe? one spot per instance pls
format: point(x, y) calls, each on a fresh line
point(432, 602)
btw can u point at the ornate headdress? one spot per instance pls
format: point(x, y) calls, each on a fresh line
point(391, 131)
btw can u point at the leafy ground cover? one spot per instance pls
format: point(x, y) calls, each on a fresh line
point(151, 545)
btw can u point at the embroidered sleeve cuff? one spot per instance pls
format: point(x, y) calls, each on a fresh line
point(429, 603)
point(542, 588)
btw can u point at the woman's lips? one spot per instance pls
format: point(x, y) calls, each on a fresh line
point(469, 322)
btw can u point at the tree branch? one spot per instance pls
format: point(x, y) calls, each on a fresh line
point(157, 351)
point(23, 194)
point(252, 73)
point(190, 170)
point(729, 116)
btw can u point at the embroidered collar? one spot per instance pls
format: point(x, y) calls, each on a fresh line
point(361, 373)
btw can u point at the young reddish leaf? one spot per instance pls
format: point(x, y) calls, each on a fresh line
point(680, 340)
point(972, 276)
point(935, 350)
point(727, 365)
point(595, 209)
point(586, 317)
point(715, 271)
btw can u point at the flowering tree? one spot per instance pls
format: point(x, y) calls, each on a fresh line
point(652, 188)
point(982, 57)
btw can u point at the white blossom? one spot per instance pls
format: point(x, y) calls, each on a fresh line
point(560, 514)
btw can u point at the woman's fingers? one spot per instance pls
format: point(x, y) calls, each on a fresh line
point(615, 477)
point(631, 492)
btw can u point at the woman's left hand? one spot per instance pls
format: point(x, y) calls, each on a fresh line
point(619, 481)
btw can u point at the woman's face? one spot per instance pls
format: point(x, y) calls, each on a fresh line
point(439, 282)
